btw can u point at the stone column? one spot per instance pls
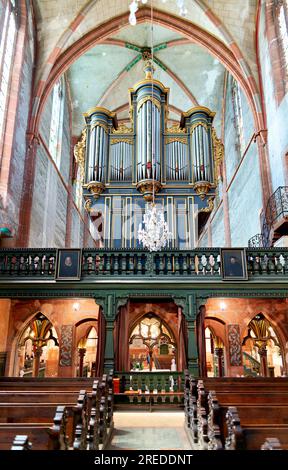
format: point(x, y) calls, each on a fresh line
point(263, 361)
point(81, 352)
point(36, 362)
point(219, 355)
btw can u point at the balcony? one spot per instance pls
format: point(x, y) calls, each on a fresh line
point(104, 264)
point(275, 220)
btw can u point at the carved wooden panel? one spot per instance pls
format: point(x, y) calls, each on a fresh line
point(235, 349)
point(66, 345)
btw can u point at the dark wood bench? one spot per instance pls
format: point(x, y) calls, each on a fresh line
point(88, 416)
point(251, 437)
point(257, 408)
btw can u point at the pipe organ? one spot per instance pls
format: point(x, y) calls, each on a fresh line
point(122, 166)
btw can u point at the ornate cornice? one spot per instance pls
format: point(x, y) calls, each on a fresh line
point(122, 129)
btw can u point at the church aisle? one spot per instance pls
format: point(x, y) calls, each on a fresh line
point(149, 431)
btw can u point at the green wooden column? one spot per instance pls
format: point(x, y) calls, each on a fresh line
point(188, 304)
point(107, 302)
point(109, 347)
point(193, 360)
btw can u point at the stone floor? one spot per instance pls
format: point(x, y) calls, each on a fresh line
point(149, 431)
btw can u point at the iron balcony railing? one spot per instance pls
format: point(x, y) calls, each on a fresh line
point(277, 206)
point(277, 209)
point(130, 264)
point(256, 241)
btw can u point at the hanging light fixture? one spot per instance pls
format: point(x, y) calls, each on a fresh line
point(153, 232)
point(133, 7)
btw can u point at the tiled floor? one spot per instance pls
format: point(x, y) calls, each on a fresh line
point(152, 431)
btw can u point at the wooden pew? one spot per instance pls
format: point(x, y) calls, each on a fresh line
point(45, 384)
point(46, 436)
point(89, 421)
point(257, 406)
point(251, 416)
point(251, 437)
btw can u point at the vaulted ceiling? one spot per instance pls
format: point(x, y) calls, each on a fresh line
point(103, 74)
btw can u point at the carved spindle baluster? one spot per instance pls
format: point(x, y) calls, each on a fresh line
point(101, 263)
point(285, 264)
point(279, 265)
point(139, 264)
point(116, 263)
point(169, 264)
point(176, 264)
point(108, 263)
point(127, 263)
point(185, 264)
point(271, 263)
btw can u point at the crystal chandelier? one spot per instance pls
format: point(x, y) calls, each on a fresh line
point(153, 232)
point(133, 7)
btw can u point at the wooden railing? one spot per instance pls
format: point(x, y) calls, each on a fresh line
point(197, 265)
point(151, 381)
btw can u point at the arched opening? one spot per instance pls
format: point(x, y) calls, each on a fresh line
point(87, 352)
point(38, 349)
point(86, 348)
point(261, 349)
point(214, 354)
point(152, 345)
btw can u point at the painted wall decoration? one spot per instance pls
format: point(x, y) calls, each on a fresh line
point(235, 349)
point(66, 346)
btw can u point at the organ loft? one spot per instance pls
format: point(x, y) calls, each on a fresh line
point(143, 231)
point(122, 165)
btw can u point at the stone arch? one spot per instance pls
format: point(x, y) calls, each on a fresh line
point(230, 57)
point(19, 334)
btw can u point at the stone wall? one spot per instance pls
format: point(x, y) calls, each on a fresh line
point(10, 202)
point(276, 110)
point(243, 181)
point(55, 220)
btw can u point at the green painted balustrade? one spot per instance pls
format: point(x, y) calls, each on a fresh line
point(168, 264)
point(150, 381)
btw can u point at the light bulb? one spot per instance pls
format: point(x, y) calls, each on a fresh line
point(222, 306)
point(76, 307)
point(144, 1)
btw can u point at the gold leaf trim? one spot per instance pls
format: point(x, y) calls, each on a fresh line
point(79, 153)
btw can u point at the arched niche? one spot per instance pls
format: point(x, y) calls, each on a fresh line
point(37, 351)
point(261, 348)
